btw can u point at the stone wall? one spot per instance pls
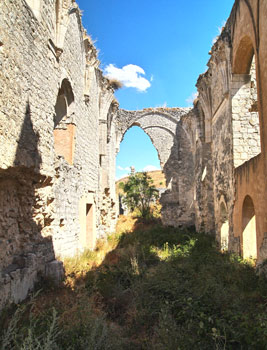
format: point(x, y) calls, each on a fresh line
point(232, 100)
point(53, 99)
point(249, 182)
point(246, 129)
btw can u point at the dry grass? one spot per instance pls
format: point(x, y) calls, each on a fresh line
point(152, 287)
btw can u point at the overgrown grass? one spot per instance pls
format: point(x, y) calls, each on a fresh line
point(172, 289)
point(149, 288)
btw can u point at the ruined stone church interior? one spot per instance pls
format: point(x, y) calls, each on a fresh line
point(61, 128)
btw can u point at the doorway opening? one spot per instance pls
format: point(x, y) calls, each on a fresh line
point(87, 222)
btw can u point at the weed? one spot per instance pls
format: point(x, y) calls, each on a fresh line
point(151, 287)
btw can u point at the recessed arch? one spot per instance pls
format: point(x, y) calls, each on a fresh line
point(245, 117)
point(249, 233)
point(243, 57)
point(64, 123)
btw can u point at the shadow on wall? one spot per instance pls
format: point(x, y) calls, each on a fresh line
point(25, 253)
point(177, 200)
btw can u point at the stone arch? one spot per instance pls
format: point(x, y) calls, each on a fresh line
point(147, 131)
point(169, 135)
point(243, 57)
point(35, 6)
point(249, 233)
point(224, 226)
point(157, 124)
point(64, 123)
point(143, 152)
point(245, 117)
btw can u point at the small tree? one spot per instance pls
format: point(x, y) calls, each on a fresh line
point(139, 193)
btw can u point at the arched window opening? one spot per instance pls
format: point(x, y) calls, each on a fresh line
point(35, 6)
point(224, 230)
point(64, 123)
point(245, 118)
point(138, 154)
point(249, 229)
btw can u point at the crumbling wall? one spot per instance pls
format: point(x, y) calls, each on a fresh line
point(203, 179)
point(49, 186)
point(170, 136)
point(60, 130)
point(231, 99)
point(215, 184)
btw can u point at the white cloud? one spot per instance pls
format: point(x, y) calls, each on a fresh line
point(150, 168)
point(123, 169)
point(192, 98)
point(130, 76)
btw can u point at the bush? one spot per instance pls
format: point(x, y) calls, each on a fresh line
point(139, 193)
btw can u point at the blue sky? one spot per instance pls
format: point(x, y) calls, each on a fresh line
point(156, 47)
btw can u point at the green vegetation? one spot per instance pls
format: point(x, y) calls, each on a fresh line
point(156, 289)
point(139, 193)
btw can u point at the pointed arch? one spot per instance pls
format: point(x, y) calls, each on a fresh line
point(243, 57)
point(64, 122)
point(249, 233)
point(245, 117)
